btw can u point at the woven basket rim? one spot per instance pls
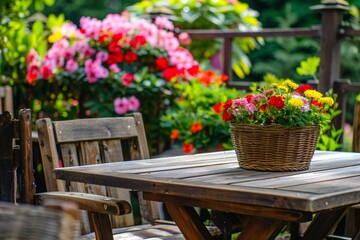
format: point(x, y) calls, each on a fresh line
point(270, 125)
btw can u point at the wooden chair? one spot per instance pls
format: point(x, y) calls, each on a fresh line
point(6, 99)
point(17, 182)
point(96, 141)
point(54, 221)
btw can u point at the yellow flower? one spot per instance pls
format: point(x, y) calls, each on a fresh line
point(274, 85)
point(57, 35)
point(327, 101)
point(313, 94)
point(285, 89)
point(290, 84)
point(296, 102)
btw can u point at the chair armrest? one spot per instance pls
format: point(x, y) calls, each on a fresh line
point(89, 202)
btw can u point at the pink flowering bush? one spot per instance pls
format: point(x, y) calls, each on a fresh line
point(109, 67)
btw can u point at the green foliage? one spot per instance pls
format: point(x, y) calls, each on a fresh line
point(309, 67)
point(209, 14)
point(17, 37)
point(330, 136)
point(195, 107)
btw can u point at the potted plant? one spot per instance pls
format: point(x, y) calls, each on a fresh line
point(277, 129)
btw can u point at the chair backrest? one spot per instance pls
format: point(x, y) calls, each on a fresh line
point(17, 183)
point(94, 141)
point(356, 128)
point(54, 222)
point(6, 99)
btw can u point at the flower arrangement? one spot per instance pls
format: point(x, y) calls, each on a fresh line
point(110, 67)
point(286, 104)
point(194, 124)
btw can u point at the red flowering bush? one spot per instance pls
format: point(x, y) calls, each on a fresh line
point(195, 123)
point(287, 104)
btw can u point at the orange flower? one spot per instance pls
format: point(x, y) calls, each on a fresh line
point(217, 107)
point(219, 80)
point(206, 77)
point(196, 127)
point(187, 147)
point(174, 134)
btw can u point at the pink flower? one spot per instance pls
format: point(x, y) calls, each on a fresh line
point(121, 105)
point(134, 103)
point(69, 53)
point(71, 66)
point(184, 38)
point(164, 22)
point(102, 56)
point(114, 68)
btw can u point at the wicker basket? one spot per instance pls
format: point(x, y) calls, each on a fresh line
point(273, 147)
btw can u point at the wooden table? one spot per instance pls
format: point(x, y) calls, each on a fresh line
point(215, 181)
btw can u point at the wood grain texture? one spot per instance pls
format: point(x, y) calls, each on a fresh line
point(330, 182)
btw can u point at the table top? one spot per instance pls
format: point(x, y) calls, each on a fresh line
point(333, 180)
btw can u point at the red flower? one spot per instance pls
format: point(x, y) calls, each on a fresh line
point(174, 134)
point(46, 72)
point(103, 38)
point(249, 97)
point(114, 47)
point(161, 63)
point(187, 147)
point(117, 37)
point(303, 88)
point(228, 104)
point(316, 103)
point(128, 78)
point(130, 57)
point(277, 102)
point(263, 107)
point(227, 115)
point(32, 75)
point(169, 73)
point(196, 127)
point(115, 58)
point(217, 107)
point(137, 41)
point(194, 70)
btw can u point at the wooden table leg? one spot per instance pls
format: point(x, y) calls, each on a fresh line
point(261, 229)
point(188, 221)
point(324, 224)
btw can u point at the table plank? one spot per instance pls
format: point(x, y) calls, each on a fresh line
point(216, 176)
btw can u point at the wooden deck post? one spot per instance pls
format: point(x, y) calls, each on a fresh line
point(331, 17)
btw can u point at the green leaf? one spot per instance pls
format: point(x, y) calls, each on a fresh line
point(49, 2)
point(38, 5)
point(38, 27)
point(308, 66)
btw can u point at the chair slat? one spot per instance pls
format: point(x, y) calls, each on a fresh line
point(113, 152)
point(89, 129)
